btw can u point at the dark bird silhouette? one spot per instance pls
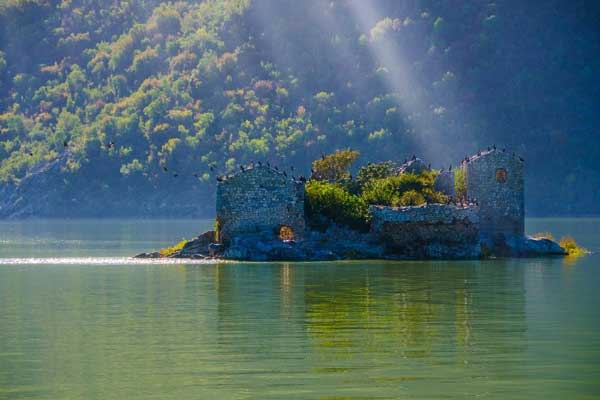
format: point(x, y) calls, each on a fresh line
point(488, 148)
point(450, 169)
point(414, 157)
point(494, 147)
point(212, 168)
point(242, 168)
point(276, 168)
point(522, 159)
point(165, 169)
point(302, 179)
point(504, 150)
point(478, 153)
point(30, 154)
point(65, 144)
point(312, 170)
point(284, 174)
point(260, 163)
point(219, 179)
point(175, 175)
point(322, 156)
point(268, 164)
point(293, 177)
point(405, 160)
point(429, 166)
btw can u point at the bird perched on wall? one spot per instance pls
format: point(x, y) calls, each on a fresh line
point(479, 153)
point(494, 147)
point(414, 157)
point(322, 156)
point(450, 169)
point(428, 166)
point(405, 161)
point(489, 148)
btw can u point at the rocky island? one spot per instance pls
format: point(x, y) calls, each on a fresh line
point(389, 211)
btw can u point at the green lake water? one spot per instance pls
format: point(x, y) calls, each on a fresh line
point(80, 320)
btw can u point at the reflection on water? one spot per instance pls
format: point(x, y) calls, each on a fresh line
point(351, 330)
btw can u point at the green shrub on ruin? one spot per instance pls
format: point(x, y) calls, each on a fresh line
point(460, 183)
point(373, 171)
point(403, 190)
point(331, 202)
point(334, 167)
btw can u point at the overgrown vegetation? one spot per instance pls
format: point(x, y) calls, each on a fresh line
point(571, 247)
point(460, 183)
point(345, 200)
point(334, 167)
point(169, 251)
point(327, 202)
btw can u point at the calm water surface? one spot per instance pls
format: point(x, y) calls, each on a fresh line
point(78, 320)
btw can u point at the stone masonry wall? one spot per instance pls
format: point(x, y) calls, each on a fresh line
point(495, 181)
point(259, 201)
point(444, 183)
point(430, 231)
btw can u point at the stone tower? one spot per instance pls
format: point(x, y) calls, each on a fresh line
point(260, 201)
point(495, 180)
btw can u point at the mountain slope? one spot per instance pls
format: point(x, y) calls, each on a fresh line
point(139, 105)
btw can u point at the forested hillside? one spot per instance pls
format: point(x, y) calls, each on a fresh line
point(135, 107)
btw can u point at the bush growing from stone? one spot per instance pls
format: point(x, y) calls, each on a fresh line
point(331, 202)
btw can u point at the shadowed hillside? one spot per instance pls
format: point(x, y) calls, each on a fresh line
point(134, 108)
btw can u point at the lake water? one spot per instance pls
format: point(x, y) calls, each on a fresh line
point(79, 320)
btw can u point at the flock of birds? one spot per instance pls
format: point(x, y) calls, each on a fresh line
point(301, 178)
point(282, 171)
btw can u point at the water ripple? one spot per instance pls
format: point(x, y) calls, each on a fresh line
point(100, 261)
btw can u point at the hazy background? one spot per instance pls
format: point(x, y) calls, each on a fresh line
point(154, 100)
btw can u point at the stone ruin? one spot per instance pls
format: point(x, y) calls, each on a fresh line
point(260, 201)
point(260, 216)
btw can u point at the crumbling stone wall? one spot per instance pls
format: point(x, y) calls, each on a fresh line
point(444, 183)
point(495, 181)
point(429, 231)
point(259, 201)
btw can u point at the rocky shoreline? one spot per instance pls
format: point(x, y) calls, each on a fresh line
point(340, 243)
